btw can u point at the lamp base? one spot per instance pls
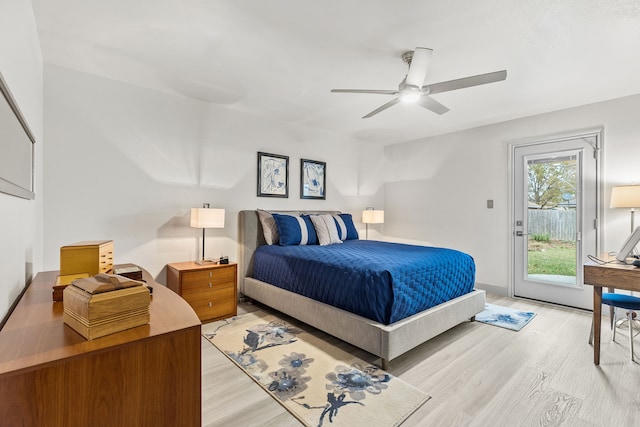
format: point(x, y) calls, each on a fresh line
point(206, 261)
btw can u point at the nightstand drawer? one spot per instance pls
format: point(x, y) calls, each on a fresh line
point(214, 305)
point(208, 285)
point(214, 276)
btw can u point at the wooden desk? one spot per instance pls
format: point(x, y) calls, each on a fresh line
point(612, 276)
point(146, 376)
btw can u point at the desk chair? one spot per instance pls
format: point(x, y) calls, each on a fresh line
point(627, 302)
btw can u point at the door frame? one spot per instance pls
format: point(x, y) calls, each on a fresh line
point(598, 132)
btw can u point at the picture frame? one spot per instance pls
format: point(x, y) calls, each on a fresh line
point(313, 179)
point(273, 175)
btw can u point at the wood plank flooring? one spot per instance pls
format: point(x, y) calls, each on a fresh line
point(477, 375)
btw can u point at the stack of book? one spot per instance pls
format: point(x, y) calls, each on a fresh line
point(105, 304)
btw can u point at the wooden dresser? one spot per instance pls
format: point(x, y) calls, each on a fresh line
point(211, 289)
point(145, 376)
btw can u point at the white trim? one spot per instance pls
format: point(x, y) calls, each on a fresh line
point(598, 133)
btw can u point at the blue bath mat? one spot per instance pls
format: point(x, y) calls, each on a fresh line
point(505, 317)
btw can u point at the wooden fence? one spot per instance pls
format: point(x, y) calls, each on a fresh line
point(558, 225)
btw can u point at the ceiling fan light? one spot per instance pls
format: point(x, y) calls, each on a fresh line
point(410, 97)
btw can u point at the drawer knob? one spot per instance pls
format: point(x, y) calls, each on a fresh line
point(210, 274)
point(210, 304)
point(211, 285)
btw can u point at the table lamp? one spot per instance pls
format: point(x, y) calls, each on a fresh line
point(206, 217)
point(371, 216)
point(626, 196)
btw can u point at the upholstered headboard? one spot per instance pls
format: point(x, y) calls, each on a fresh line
point(250, 236)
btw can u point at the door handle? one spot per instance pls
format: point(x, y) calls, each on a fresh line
point(520, 234)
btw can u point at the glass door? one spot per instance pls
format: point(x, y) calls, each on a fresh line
point(555, 212)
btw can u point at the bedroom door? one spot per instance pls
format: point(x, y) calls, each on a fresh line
point(555, 218)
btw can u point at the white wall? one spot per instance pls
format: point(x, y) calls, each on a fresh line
point(436, 188)
point(21, 224)
point(127, 163)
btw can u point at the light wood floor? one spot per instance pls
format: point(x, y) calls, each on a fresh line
point(477, 375)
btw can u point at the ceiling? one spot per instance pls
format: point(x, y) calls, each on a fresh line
point(280, 58)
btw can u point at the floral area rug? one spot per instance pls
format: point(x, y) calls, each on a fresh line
point(318, 383)
point(505, 317)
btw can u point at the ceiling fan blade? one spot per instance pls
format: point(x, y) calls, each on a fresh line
point(480, 79)
point(391, 103)
point(431, 104)
point(373, 91)
point(419, 66)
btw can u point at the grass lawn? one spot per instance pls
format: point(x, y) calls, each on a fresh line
point(552, 257)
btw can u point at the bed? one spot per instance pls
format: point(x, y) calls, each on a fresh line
point(386, 334)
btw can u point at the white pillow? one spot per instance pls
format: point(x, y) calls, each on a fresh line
point(325, 229)
point(269, 228)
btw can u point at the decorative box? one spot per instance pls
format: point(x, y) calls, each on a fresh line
point(131, 271)
point(105, 304)
point(91, 257)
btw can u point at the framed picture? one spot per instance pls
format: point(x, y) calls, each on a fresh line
point(313, 179)
point(273, 175)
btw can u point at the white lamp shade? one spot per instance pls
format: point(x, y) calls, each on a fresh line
point(207, 218)
point(371, 216)
point(625, 196)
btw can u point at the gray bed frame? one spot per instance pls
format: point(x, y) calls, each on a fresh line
point(384, 341)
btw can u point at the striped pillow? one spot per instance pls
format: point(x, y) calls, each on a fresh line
point(295, 230)
point(326, 229)
point(346, 229)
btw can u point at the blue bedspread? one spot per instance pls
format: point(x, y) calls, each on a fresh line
point(382, 281)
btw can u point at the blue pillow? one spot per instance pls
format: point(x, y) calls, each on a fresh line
point(295, 230)
point(346, 229)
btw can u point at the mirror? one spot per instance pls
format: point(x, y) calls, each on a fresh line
point(16, 145)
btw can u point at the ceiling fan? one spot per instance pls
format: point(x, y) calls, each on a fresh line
point(413, 89)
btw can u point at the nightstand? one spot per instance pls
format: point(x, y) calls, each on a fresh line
point(211, 290)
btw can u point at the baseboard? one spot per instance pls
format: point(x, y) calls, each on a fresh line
point(492, 289)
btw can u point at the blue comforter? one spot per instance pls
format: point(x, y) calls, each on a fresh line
point(382, 281)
